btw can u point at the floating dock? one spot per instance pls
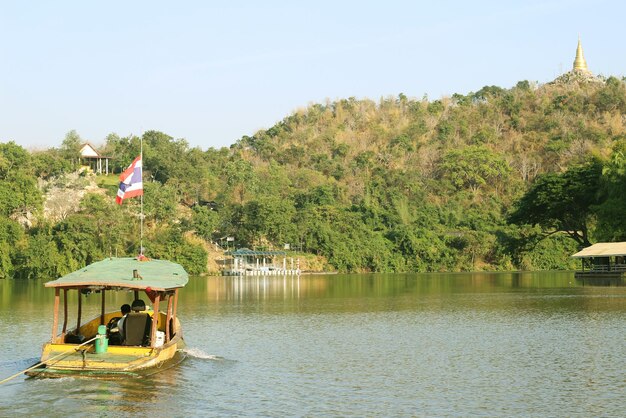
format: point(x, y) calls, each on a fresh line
point(247, 262)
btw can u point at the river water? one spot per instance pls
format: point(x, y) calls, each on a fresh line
point(475, 344)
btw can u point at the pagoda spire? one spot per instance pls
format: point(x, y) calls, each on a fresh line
point(580, 65)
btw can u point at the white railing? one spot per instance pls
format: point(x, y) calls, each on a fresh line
point(607, 268)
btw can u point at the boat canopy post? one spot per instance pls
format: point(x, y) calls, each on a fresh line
point(55, 318)
point(168, 317)
point(155, 320)
point(175, 307)
point(80, 310)
point(102, 311)
point(64, 314)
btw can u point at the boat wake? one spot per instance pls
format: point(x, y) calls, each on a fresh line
point(197, 353)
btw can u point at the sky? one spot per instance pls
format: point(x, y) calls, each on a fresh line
point(211, 72)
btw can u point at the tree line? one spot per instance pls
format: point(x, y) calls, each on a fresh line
point(498, 179)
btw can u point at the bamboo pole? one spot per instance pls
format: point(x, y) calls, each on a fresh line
point(175, 308)
point(102, 310)
point(64, 313)
point(141, 200)
point(168, 318)
point(155, 320)
point(55, 318)
point(80, 311)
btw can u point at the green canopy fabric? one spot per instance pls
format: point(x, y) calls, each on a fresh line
point(129, 273)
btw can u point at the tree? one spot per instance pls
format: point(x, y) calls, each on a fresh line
point(170, 243)
point(111, 230)
point(49, 163)
point(19, 195)
point(18, 187)
point(70, 147)
point(562, 202)
point(474, 167)
point(269, 218)
point(611, 224)
point(612, 96)
point(74, 238)
point(159, 202)
point(13, 159)
point(240, 178)
point(122, 150)
point(164, 156)
point(40, 258)
point(11, 234)
point(204, 221)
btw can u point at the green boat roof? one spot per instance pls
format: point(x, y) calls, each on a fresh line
point(120, 273)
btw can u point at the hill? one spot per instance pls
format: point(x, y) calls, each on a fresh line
point(395, 185)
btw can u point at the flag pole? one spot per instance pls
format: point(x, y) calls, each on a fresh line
point(141, 215)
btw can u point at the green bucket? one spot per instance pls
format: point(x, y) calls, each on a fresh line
point(102, 342)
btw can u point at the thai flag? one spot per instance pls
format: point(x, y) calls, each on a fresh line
point(131, 183)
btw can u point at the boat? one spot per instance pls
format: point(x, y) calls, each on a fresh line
point(150, 338)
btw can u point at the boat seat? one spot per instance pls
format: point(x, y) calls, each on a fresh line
point(136, 329)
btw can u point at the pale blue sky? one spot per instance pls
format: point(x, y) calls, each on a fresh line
point(211, 72)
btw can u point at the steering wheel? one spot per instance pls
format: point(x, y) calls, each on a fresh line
point(113, 324)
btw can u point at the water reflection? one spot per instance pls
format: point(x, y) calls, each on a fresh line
point(259, 287)
point(402, 291)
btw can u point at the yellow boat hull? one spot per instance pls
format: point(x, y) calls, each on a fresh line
point(61, 359)
point(118, 360)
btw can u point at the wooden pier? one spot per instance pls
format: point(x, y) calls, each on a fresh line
point(603, 263)
point(247, 262)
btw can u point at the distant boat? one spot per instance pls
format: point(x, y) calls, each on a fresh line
point(149, 338)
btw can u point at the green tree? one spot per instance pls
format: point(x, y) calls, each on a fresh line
point(19, 195)
point(70, 148)
point(165, 157)
point(122, 151)
point(49, 163)
point(611, 224)
point(13, 159)
point(474, 167)
point(240, 178)
point(612, 96)
point(74, 238)
point(160, 202)
point(269, 218)
point(11, 235)
point(205, 221)
point(562, 202)
point(40, 258)
point(169, 243)
point(111, 233)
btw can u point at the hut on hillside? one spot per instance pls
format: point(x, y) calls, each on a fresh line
point(91, 158)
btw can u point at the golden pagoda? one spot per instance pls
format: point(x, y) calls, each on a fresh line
point(579, 73)
point(580, 65)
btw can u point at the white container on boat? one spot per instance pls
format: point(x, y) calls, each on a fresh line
point(160, 339)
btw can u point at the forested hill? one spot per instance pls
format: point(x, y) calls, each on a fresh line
point(515, 178)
